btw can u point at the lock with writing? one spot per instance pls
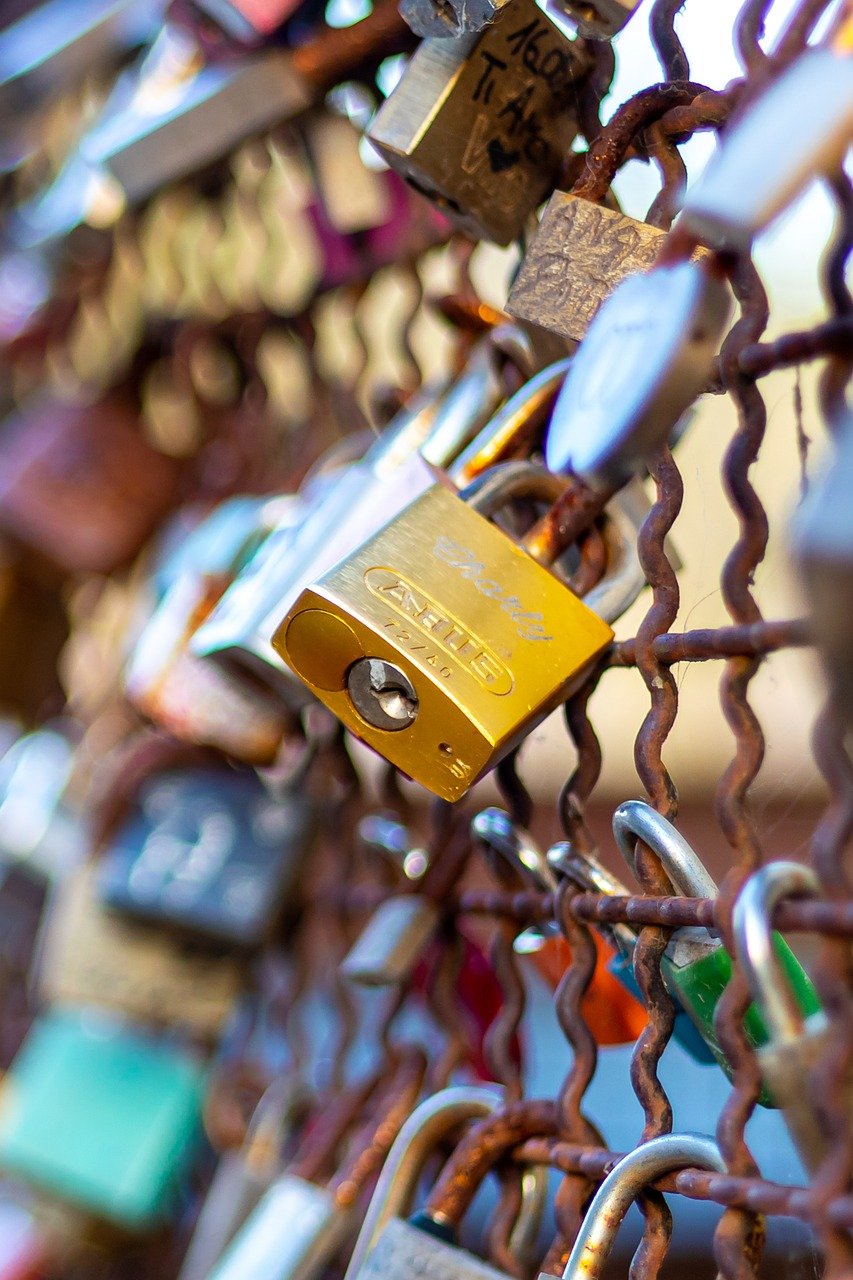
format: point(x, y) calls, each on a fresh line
point(441, 642)
point(696, 966)
point(799, 127)
point(429, 432)
point(301, 1223)
point(649, 319)
point(90, 957)
point(481, 124)
point(796, 1041)
point(242, 1176)
point(211, 854)
point(390, 1245)
point(632, 1175)
point(128, 1110)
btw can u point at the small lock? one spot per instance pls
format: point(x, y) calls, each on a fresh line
point(441, 642)
point(696, 966)
point(392, 942)
point(242, 1177)
point(210, 853)
point(592, 877)
point(496, 831)
point(629, 1177)
point(90, 957)
point(796, 1040)
point(429, 432)
point(801, 126)
point(596, 19)
point(387, 1244)
point(128, 1111)
point(481, 124)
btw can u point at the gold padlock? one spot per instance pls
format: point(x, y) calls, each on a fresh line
point(441, 642)
point(481, 124)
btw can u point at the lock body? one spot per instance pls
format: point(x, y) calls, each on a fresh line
point(89, 957)
point(406, 1252)
point(292, 1234)
point(698, 984)
point(127, 1110)
point(784, 1066)
point(209, 853)
point(481, 124)
point(487, 641)
point(392, 942)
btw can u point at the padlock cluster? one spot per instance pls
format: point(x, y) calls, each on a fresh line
point(308, 524)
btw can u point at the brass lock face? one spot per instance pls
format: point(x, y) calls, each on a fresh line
point(482, 123)
point(471, 642)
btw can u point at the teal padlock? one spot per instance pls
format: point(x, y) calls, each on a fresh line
point(102, 1118)
point(696, 966)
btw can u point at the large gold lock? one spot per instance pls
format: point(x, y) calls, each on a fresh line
point(441, 642)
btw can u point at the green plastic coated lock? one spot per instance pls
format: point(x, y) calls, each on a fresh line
point(696, 966)
point(102, 1118)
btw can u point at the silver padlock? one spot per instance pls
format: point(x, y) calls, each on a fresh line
point(387, 1245)
point(620, 1189)
point(646, 357)
point(801, 126)
point(823, 548)
point(796, 1043)
point(597, 19)
point(242, 1177)
point(392, 941)
point(428, 433)
point(496, 831)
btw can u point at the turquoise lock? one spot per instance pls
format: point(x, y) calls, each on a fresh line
point(101, 1117)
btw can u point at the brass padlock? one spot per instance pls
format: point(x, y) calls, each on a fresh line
point(90, 957)
point(387, 1245)
point(441, 642)
point(797, 1043)
point(620, 1189)
point(482, 124)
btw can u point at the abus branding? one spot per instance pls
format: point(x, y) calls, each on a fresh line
point(528, 625)
point(434, 624)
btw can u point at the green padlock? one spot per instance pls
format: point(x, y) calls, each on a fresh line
point(696, 966)
point(102, 1118)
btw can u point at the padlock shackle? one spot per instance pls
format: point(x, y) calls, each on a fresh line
point(621, 1187)
point(429, 1124)
point(494, 828)
point(635, 820)
point(753, 935)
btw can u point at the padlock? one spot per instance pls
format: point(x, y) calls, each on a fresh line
point(392, 942)
point(299, 1226)
point(387, 1244)
point(428, 433)
point(242, 1177)
point(441, 642)
point(166, 119)
point(591, 876)
point(596, 19)
point(796, 1042)
point(495, 830)
point(626, 1180)
point(192, 699)
point(823, 548)
point(101, 1118)
point(90, 957)
point(80, 486)
point(211, 853)
point(510, 88)
point(696, 966)
point(801, 126)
